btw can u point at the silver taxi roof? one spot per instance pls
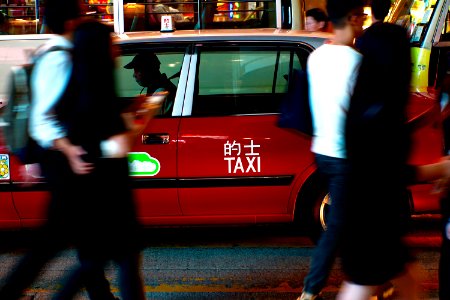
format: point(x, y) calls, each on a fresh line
point(315, 39)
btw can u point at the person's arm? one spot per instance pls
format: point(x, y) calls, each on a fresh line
point(49, 81)
point(432, 172)
point(438, 172)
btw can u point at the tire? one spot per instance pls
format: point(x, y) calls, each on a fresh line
point(313, 205)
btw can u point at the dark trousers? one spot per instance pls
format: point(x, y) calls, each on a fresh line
point(28, 269)
point(31, 264)
point(106, 231)
point(57, 234)
point(90, 274)
point(444, 266)
point(335, 171)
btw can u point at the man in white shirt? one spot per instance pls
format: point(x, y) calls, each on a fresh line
point(332, 70)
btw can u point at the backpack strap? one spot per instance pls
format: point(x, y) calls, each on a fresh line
point(44, 49)
point(20, 77)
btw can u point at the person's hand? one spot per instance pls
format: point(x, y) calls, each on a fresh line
point(74, 155)
point(75, 158)
point(442, 185)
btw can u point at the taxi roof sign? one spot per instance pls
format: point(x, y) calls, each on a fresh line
point(167, 23)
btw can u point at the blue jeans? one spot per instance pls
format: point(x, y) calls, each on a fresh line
point(335, 171)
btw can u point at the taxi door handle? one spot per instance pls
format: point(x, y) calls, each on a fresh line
point(155, 138)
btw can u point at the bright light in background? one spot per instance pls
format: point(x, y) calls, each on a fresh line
point(368, 21)
point(418, 11)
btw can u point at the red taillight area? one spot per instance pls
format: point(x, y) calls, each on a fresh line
point(424, 119)
point(427, 145)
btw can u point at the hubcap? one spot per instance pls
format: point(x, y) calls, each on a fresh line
point(323, 211)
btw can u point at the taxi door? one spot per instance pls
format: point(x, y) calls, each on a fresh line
point(22, 204)
point(235, 165)
point(153, 163)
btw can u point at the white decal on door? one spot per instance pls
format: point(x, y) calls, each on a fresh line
point(242, 157)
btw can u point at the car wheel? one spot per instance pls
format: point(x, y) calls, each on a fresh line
point(313, 209)
point(323, 209)
point(319, 210)
point(314, 204)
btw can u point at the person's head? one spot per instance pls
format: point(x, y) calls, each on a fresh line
point(380, 9)
point(146, 68)
point(93, 60)
point(347, 18)
point(58, 12)
point(92, 43)
point(316, 20)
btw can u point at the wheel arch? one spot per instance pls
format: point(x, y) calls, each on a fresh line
point(301, 189)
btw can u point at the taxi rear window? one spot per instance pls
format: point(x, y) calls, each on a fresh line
point(243, 80)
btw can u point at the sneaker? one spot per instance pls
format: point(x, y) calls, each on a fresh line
point(308, 296)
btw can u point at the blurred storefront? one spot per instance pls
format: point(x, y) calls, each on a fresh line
point(24, 16)
point(146, 15)
point(21, 16)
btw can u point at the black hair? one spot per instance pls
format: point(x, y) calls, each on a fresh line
point(380, 8)
point(339, 11)
point(92, 55)
point(93, 82)
point(58, 12)
point(318, 14)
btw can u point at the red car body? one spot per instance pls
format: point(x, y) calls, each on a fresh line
point(224, 169)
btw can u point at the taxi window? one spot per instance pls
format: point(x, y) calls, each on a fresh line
point(129, 85)
point(243, 81)
point(126, 83)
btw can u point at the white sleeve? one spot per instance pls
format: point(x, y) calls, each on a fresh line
point(49, 80)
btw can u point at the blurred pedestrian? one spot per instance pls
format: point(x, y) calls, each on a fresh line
point(333, 65)
point(61, 18)
point(378, 145)
point(316, 20)
point(105, 222)
point(74, 110)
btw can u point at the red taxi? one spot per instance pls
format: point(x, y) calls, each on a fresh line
point(219, 156)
